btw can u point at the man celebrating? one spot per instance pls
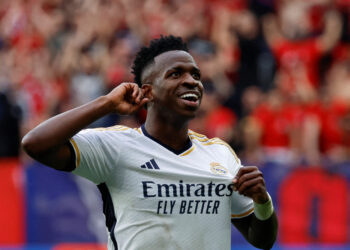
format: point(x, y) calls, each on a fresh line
point(163, 185)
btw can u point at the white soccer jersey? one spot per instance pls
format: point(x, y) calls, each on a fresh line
point(156, 198)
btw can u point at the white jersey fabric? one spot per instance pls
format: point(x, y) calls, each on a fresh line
point(159, 198)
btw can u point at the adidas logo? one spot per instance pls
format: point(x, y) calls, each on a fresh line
point(150, 165)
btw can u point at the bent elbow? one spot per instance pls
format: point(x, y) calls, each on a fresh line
point(29, 145)
point(267, 243)
point(25, 144)
point(264, 245)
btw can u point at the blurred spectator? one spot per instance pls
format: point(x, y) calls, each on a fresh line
point(256, 63)
point(86, 83)
point(274, 125)
point(117, 65)
point(290, 38)
point(334, 133)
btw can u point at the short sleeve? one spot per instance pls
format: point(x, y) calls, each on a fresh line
point(90, 154)
point(241, 206)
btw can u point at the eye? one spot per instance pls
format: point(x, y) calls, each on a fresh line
point(175, 74)
point(196, 75)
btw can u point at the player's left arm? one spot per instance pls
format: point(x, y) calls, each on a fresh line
point(259, 228)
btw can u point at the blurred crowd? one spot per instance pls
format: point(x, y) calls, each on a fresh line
point(276, 72)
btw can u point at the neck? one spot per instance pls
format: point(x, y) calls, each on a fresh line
point(171, 133)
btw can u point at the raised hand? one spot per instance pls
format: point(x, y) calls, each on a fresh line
point(127, 98)
point(250, 182)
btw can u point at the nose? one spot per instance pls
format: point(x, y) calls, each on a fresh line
point(190, 82)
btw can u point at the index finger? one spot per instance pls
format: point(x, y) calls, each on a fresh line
point(243, 170)
point(136, 90)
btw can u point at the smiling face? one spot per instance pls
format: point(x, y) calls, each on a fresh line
point(176, 85)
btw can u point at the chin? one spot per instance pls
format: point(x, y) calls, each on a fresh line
point(191, 114)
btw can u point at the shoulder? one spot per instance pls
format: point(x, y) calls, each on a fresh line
point(203, 139)
point(109, 133)
point(215, 143)
point(112, 129)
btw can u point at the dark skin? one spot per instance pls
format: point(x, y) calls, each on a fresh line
point(249, 182)
point(173, 75)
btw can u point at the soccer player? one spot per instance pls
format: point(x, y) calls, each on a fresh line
point(163, 185)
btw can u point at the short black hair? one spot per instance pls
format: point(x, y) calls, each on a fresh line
point(156, 47)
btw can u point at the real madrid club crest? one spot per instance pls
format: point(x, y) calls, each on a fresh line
point(216, 168)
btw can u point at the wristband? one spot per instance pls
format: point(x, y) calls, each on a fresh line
point(263, 211)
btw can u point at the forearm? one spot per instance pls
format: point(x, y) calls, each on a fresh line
point(259, 228)
point(48, 142)
point(50, 135)
point(262, 233)
point(271, 29)
point(262, 229)
point(332, 31)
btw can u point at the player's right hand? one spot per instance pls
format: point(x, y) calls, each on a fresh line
point(127, 98)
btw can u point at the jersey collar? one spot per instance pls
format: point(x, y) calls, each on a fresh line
point(177, 152)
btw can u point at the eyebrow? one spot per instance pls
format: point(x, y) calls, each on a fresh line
point(181, 68)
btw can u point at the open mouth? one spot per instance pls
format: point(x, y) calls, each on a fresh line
point(191, 100)
point(191, 97)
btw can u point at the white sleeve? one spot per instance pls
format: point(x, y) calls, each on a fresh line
point(241, 206)
point(90, 155)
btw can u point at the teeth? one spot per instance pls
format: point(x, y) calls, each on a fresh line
point(190, 95)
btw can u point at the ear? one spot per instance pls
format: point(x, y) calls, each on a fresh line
point(147, 91)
